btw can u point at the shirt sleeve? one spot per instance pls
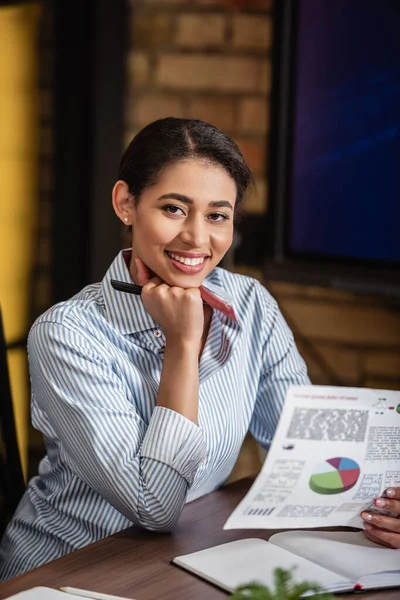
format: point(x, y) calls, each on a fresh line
point(282, 366)
point(143, 470)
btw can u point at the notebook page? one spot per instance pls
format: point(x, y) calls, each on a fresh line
point(233, 564)
point(382, 579)
point(347, 553)
point(43, 593)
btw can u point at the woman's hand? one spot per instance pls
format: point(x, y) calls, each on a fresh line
point(180, 314)
point(178, 311)
point(380, 528)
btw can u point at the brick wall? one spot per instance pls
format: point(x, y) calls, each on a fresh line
point(345, 339)
point(210, 59)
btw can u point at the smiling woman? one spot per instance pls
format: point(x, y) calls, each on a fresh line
point(181, 184)
point(144, 401)
point(181, 226)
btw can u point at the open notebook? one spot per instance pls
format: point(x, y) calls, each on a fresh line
point(338, 561)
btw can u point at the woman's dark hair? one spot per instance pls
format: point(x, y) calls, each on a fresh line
point(167, 141)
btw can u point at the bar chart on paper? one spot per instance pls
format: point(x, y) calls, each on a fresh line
point(334, 476)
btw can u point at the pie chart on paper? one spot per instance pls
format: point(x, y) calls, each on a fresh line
point(334, 476)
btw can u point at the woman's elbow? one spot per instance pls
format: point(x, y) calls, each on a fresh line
point(160, 520)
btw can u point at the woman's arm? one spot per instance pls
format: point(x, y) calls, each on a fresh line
point(180, 314)
point(179, 384)
point(143, 470)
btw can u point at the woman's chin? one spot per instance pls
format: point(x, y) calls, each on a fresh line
point(183, 281)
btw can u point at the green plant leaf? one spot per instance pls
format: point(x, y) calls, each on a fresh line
point(299, 589)
point(285, 589)
point(252, 591)
point(283, 580)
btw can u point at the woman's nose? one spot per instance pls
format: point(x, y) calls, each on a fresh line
point(194, 233)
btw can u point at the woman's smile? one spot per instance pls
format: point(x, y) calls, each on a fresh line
point(189, 263)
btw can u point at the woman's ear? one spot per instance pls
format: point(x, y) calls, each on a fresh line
point(122, 202)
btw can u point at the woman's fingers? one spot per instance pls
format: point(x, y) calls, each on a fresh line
point(382, 521)
point(390, 500)
point(385, 528)
point(151, 286)
point(178, 311)
point(380, 536)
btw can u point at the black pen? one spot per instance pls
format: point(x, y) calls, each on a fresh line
point(129, 288)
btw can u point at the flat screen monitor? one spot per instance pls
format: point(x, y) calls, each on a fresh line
point(335, 144)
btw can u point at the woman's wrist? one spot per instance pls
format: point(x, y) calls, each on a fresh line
point(185, 346)
point(179, 384)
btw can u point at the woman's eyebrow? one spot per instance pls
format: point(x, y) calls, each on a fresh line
point(221, 203)
point(176, 196)
point(187, 200)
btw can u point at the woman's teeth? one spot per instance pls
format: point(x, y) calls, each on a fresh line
point(186, 261)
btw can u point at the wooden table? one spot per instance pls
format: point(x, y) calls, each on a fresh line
point(136, 563)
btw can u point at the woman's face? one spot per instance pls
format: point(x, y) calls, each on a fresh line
point(183, 225)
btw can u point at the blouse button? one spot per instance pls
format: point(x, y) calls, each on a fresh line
point(157, 333)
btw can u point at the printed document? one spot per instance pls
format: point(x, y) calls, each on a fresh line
point(335, 450)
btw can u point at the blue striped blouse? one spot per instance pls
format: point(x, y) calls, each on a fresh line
point(115, 458)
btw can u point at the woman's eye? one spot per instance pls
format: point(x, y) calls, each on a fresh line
point(218, 217)
point(173, 210)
